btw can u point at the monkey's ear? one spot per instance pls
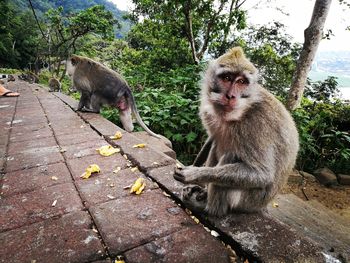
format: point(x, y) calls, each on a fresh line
point(74, 60)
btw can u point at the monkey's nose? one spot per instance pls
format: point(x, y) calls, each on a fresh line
point(229, 97)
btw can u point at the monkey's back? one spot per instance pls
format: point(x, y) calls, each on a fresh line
point(100, 79)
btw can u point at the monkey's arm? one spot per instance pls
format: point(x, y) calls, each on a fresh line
point(204, 152)
point(236, 175)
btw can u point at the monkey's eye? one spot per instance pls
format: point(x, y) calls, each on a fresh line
point(226, 78)
point(242, 81)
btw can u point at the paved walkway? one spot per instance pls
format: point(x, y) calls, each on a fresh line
point(49, 214)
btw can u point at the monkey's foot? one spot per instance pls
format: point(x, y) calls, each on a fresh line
point(194, 197)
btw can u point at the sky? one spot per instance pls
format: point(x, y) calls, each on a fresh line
point(296, 17)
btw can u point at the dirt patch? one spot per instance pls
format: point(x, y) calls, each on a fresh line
point(336, 198)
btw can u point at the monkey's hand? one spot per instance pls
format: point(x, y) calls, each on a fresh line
point(190, 175)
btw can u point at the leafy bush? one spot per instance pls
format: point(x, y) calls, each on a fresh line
point(9, 71)
point(324, 136)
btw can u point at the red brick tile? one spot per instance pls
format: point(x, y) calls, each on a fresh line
point(69, 238)
point(38, 177)
point(149, 216)
point(35, 206)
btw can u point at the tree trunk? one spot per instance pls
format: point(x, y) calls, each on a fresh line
point(189, 30)
point(312, 38)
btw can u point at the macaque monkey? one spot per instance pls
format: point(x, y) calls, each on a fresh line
point(100, 85)
point(11, 78)
point(54, 85)
point(252, 141)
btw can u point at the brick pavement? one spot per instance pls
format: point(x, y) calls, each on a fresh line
point(49, 214)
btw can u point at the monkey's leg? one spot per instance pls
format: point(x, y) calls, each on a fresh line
point(194, 197)
point(125, 118)
point(96, 102)
point(84, 101)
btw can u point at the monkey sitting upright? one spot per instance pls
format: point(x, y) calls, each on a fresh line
point(252, 141)
point(100, 85)
point(54, 85)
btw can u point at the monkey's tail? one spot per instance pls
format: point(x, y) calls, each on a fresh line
point(138, 117)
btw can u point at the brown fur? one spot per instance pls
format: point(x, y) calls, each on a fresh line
point(252, 148)
point(54, 85)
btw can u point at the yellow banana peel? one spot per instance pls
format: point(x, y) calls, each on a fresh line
point(107, 150)
point(92, 168)
point(138, 186)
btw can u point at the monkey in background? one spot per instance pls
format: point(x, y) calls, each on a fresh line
point(100, 85)
point(11, 78)
point(252, 141)
point(54, 85)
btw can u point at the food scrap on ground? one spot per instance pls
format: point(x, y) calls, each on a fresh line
point(92, 168)
point(140, 145)
point(138, 186)
point(134, 169)
point(108, 150)
point(54, 178)
point(117, 170)
point(116, 136)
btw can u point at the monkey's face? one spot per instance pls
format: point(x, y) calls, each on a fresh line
point(71, 65)
point(231, 93)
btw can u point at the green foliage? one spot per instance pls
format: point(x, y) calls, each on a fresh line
point(324, 135)
point(201, 23)
point(322, 90)
point(18, 36)
point(9, 71)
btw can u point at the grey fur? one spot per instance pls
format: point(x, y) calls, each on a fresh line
point(249, 156)
point(54, 85)
point(100, 85)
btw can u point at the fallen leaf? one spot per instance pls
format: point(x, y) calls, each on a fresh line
point(274, 204)
point(134, 169)
point(54, 178)
point(117, 170)
point(54, 203)
point(92, 168)
point(107, 150)
point(138, 186)
point(140, 145)
point(116, 136)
